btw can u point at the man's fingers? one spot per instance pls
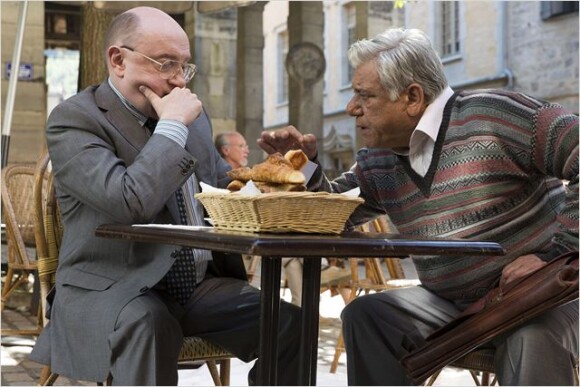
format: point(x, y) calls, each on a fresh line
point(149, 94)
point(265, 146)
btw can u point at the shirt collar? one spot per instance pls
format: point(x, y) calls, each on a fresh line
point(427, 128)
point(132, 109)
point(430, 121)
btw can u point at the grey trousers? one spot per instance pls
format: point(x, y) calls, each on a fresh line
point(149, 332)
point(379, 329)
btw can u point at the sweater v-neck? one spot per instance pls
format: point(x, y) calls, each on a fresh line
point(424, 182)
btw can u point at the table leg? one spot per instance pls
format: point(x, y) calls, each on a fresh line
point(310, 318)
point(269, 321)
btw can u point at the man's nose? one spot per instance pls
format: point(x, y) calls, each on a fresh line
point(178, 80)
point(353, 108)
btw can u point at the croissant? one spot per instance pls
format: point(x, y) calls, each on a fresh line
point(277, 174)
point(242, 174)
point(273, 187)
point(277, 159)
point(297, 158)
point(276, 169)
point(236, 185)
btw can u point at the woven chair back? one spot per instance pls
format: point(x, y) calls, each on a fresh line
point(48, 227)
point(18, 205)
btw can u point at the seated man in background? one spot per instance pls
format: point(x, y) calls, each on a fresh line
point(491, 165)
point(233, 148)
point(134, 150)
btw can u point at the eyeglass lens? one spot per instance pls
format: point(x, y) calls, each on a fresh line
point(171, 68)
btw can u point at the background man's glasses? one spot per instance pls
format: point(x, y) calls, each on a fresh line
point(170, 68)
point(241, 146)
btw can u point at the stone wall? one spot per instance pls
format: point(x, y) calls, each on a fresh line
point(215, 56)
point(543, 54)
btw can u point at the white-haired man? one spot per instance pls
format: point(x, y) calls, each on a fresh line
point(482, 165)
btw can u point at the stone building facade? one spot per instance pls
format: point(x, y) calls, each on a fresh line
point(527, 46)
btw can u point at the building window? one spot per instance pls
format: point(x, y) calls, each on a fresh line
point(62, 25)
point(349, 37)
point(282, 49)
point(550, 9)
point(450, 39)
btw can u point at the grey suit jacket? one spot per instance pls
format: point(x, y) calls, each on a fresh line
point(107, 170)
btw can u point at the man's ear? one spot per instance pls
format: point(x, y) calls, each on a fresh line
point(415, 98)
point(116, 60)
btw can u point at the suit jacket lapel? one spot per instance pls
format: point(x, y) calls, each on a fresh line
point(197, 145)
point(120, 117)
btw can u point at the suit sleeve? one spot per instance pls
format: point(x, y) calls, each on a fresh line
point(87, 167)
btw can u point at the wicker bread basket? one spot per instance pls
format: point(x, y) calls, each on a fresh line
point(306, 212)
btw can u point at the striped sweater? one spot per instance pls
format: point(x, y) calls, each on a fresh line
point(496, 175)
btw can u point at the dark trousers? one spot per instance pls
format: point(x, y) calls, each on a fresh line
point(379, 329)
point(149, 333)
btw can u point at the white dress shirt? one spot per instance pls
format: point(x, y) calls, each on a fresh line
point(425, 134)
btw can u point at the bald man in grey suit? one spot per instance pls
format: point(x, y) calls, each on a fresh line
point(111, 309)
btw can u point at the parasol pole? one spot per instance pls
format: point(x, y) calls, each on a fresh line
point(15, 69)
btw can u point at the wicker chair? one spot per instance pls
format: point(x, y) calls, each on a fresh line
point(479, 363)
point(48, 233)
point(18, 204)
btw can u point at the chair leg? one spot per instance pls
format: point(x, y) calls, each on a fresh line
point(486, 378)
point(225, 369)
point(108, 381)
point(432, 379)
point(47, 377)
point(39, 318)
point(10, 285)
point(215, 375)
point(337, 352)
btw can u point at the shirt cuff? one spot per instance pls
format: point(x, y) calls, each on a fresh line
point(173, 130)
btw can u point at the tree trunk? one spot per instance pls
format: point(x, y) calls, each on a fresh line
point(92, 69)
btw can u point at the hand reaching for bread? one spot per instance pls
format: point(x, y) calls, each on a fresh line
point(276, 174)
point(284, 139)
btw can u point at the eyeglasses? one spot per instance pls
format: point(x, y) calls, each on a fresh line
point(170, 68)
point(241, 146)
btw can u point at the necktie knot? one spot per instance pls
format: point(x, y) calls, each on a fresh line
point(150, 124)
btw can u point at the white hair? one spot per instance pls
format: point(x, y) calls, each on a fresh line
point(402, 56)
